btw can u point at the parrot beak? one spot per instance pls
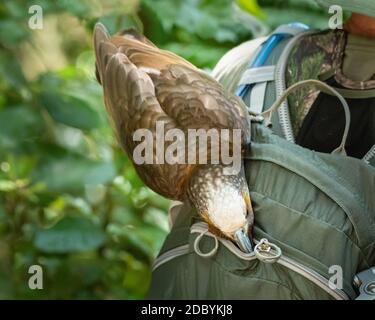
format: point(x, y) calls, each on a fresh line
point(243, 236)
point(244, 241)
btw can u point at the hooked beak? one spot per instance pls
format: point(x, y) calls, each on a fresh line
point(244, 241)
point(243, 236)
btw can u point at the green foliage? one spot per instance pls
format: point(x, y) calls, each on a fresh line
point(70, 234)
point(60, 109)
point(70, 199)
point(200, 31)
point(285, 11)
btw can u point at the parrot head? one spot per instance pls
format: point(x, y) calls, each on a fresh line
point(223, 201)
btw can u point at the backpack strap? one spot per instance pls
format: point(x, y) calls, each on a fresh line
point(264, 80)
point(370, 156)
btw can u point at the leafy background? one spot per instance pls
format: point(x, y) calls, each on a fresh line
point(70, 200)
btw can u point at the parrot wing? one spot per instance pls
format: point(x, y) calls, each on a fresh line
point(144, 85)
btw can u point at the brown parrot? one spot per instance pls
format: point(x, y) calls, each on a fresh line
point(144, 85)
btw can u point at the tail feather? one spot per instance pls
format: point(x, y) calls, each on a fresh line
point(101, 41)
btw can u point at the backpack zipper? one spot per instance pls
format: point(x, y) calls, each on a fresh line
point(170, 255)
point(289, 263)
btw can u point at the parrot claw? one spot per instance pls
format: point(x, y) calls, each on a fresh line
point(243, 241)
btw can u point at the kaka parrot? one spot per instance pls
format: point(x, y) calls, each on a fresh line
point(142, 85)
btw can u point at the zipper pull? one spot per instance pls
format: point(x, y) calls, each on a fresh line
point(267, 252)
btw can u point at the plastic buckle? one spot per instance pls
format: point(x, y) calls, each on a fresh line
point(365, 282)
point(267, 252)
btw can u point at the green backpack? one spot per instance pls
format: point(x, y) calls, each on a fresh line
point(314, 228)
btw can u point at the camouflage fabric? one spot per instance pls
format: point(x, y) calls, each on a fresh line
point(317, 56)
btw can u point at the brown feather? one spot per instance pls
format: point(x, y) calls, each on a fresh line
point(143, 84)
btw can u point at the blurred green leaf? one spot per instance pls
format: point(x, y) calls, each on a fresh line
point(72, 234)
point(77, 8)
point(251, 6)
point(207, 19)
point(7, 185)
point(198, 53)
point(19, 126)
point(71, 172)
point(157, 217)
point(69, 110)
point(16, 31)
point(11, 72)
point(285, 11)
point(137, 276)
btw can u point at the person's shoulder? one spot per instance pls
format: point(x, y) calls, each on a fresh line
point(322, 40)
